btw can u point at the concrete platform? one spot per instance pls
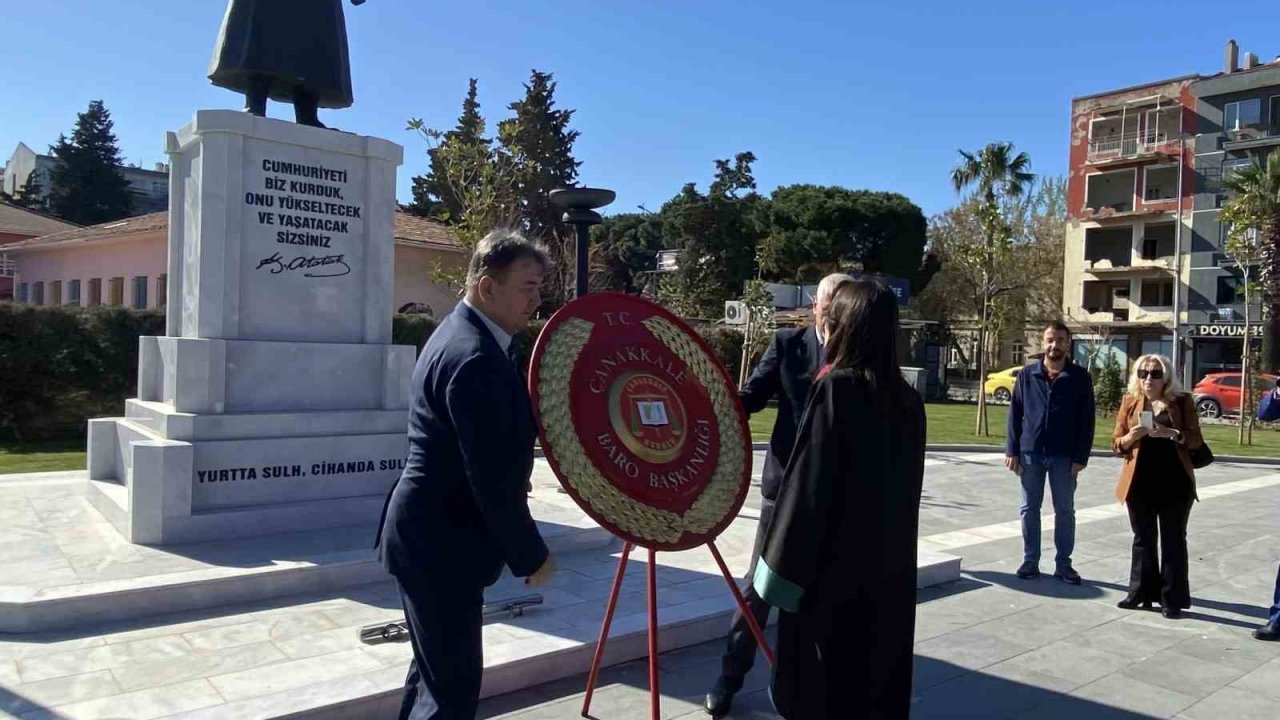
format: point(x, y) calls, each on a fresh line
point(63, 563)
point(268, 628)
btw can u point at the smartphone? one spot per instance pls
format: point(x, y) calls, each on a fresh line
point(1147, 420)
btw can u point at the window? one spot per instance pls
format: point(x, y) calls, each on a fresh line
point(1157, 293)
point(1242, 114)
point(1018, 353)
point(1229, 381)
point(140, 292)
point(37, 293)
point(1230, 165)
point(1275, 115)
point(1229, 289)
point(1157, 346)
point(23, 290)
point(1160, 183)
point(1110, 190)
point(162, 291)
point(1157, 240)
point(95, 292)
point(115, 291)
point(73, 292)
point(55, 293)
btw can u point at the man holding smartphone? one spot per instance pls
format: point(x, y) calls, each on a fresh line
point(1050, 432)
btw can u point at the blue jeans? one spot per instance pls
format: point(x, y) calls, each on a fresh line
point(1275, 608)
point(1062, 483)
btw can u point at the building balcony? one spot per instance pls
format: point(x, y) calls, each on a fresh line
point(1254, 138)
point(1130, 147)
point(1104, 268)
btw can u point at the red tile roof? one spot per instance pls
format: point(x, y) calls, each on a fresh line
point(17, 220)
point(409, 230)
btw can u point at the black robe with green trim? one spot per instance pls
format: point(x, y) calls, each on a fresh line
point(840, 556)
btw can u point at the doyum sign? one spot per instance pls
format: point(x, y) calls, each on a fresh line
point(1225, 331)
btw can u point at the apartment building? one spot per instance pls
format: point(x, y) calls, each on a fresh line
point(1144, 267)
point(1237, 122)
point(1129, 196)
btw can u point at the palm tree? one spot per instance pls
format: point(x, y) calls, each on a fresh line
point(1252, 218)
point(996, 175)
point(1255, 206)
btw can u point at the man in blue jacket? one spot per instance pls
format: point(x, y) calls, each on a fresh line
point(459, 511)
point(1050, 433)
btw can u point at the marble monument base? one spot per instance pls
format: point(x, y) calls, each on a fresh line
point(163, 477)
point(275, 402)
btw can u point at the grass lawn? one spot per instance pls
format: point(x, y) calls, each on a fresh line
point(42, 455)
point(952, 424)
point(949, 424)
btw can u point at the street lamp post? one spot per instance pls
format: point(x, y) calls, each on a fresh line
point(580, 205)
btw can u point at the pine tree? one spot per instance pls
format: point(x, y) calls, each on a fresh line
point(86, 185)
point(539, 144)
point(31, 196)
point(718, 235)
point(28, 196)
point(437, 194)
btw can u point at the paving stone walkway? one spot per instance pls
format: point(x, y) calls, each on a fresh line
point(993, 646)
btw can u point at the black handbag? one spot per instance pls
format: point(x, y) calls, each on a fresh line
point(1201, 456)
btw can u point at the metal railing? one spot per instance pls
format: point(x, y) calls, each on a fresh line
point(1126, 145)
point(8, 268)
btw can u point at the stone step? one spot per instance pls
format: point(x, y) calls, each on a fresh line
point(88, 573)
point(305, 659)
point(271, 566)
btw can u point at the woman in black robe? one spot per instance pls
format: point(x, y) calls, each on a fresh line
point(840, 556)
point(287, 50)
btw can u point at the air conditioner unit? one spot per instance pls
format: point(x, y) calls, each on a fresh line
point(735, 312)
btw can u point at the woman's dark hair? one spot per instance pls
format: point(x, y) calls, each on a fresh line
point(862, 332)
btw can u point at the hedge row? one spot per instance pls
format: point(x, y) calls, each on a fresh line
point(61, 366)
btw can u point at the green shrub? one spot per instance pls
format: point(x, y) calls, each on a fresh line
point(60, 366)
point(726, 344)
point(412, 329)
point(1108, 384)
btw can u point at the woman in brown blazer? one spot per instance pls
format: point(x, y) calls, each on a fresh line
point(1157, 483)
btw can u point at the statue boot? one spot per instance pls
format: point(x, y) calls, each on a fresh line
point(305, 106)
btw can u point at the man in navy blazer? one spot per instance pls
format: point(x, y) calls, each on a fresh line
point(785, 371)
point(459, 511)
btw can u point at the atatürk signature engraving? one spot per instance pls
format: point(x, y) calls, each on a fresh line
point(335, 265)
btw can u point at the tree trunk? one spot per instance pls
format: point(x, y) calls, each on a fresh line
point(1271, 337)
point(981, 426)
point(1245, 385)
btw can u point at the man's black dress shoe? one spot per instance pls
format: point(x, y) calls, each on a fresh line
point(1128, 604)
point(1028, 571)
point(1270, 631)
point(1171, 613)
point(1067, 575)
point(720, 699)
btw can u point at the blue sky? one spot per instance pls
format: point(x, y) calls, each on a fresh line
point(876, 95)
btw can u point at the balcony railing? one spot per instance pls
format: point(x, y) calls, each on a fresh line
point(1126, 145)
point(8, 268)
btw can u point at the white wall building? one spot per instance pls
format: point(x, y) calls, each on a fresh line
point(150, 188)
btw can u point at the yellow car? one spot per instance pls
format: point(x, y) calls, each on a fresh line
point(999, 385)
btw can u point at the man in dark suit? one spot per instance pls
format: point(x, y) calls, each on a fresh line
point(459, 511)
point(786, 370)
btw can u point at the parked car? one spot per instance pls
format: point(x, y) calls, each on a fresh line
point(1218, 394)
point(999, 385)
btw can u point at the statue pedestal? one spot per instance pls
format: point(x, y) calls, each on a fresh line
point(276, 401)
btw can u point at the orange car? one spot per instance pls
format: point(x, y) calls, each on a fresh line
point(1218, 393)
